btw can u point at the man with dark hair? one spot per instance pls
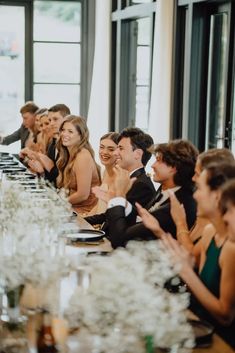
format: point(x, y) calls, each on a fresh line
point(173, 169)
point(132, 156)
point(56, 114)
point(28, 115)
point(46, 164)
point(138, 139)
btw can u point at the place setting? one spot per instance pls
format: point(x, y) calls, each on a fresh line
point(87, 236)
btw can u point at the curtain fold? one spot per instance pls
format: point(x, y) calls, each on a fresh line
point(161, 90)
point(99, 104)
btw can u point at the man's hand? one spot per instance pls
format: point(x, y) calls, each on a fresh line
point(178, 253)
point(122, 181)
point(104, 195)
point(177, 211)
point(149, 221)
point(27, 152)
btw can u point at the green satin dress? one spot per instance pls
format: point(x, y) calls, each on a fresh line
point(210, 276)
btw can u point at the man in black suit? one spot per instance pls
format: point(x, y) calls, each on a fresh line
point(45, 164)
point(173, 168)
point(132, 156)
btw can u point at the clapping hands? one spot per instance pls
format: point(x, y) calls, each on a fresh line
point(178, 253)
point(149, 221)
point(122, 184)
point(177, 210)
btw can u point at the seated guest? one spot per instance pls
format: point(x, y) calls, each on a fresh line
point(78, 171)
point(214, 155)
point(38, 127)
point(40, 139)
point(45, 135)
point(214, 288)
point(173, 169)
point(132, 155)
point(32, 143)
point(38, 114)
point(108, 145)
point(188, 238)
point(43, 139)
point(227, 207)
point(27, 128)
point(45, 164)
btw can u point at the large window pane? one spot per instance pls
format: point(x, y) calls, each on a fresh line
point(48, 95)
point(57, 21)
point(12, 67)
point(144, 37)
point(143, 72)
point(56, 63)
point(143, 66)
point(142, 107)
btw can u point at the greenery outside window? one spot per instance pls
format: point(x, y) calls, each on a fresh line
point(57, 52)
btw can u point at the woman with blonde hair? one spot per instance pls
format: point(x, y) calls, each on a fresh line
point(78, 171)
point(40, 140)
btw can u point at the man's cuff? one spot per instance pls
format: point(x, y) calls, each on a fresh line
point(120, 201)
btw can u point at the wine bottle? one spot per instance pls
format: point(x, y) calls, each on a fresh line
point(46, 341)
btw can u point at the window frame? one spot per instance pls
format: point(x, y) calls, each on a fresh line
point(191, 70)
point(121, 17)
point(87, 47)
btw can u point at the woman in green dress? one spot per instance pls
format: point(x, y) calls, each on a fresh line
point(214, 288)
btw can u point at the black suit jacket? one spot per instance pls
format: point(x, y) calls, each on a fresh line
point(51, 153)
point(142, 191)
point(120, 231)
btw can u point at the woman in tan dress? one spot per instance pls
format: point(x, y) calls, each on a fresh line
point(78, 171)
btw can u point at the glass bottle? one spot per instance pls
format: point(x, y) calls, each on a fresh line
point(46, 341)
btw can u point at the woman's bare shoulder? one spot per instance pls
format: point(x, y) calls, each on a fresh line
point(207, 234)
point(83, 155)
point(229, 250)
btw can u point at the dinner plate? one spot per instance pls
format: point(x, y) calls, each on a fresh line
point(36, 191)
point(69, 226)
point(98, 253)
point(28, 185)
point(22, 176)
point(6, 158)
point(203, 332)
point(4, 154)
point(8, 163)
point(8, 166)
point(11, 170)
point(85, 235)
point(32, 187)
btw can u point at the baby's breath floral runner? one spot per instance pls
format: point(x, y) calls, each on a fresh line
point(29, 228)
point(127, 302)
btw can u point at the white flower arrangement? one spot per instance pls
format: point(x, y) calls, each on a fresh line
point(126, 301)
point(29, 228)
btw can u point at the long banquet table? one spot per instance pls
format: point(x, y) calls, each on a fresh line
point(217, 346)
